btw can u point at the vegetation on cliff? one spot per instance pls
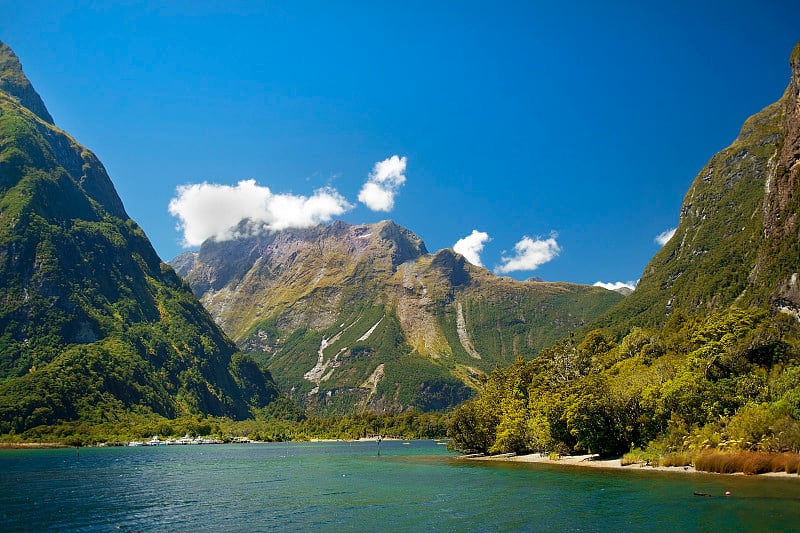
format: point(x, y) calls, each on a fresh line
point(92, 324)
point(361, 317)
point(705, 352)
point(729, 380)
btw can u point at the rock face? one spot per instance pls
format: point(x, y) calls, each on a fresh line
point(781, 253)
point(737, 242)
point(304, 276)
point(353, 317)
point(91, 320)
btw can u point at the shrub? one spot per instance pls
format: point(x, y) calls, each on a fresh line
point(747, 462)
point(758, 463)
point(720, 463)
point(791, 463)
point(676, 459)
point(638, 456)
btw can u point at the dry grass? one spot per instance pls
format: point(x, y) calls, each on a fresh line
point(676, 459)
point(747, 462)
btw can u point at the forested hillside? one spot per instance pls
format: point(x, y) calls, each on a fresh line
point(93, 325)
point(705, 353)
point(731, 379)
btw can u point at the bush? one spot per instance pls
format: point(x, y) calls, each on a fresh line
point(757, 463)
point(747, 462)
point(639, 456)
point(676, 459)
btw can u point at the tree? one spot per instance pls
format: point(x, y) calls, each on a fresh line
point(594, 420)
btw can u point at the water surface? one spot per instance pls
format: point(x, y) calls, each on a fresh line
point(343, 486)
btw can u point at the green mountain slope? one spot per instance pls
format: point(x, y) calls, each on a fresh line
point(737, 240)
point(92, 323)
point(361, 317)
point(705, 353)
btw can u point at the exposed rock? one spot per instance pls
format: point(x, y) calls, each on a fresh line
point(328, 305)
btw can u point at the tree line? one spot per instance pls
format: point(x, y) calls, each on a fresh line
point(729, 381)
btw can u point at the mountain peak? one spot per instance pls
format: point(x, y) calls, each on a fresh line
point(89, 312)
point(14, 82)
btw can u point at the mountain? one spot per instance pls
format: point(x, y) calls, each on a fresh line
point(701, 363)
point(738, 239)
point(92, 322)
point(362, 317)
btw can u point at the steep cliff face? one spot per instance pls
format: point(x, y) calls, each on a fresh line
point(737, 240)
point(779, 260)
point(91, 320)
point(362, 317)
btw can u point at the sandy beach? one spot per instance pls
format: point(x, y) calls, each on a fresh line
point(586, 461)
point(594, 461)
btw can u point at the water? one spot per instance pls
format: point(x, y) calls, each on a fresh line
point(417, 486)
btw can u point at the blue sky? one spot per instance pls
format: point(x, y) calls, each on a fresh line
point(558, 138)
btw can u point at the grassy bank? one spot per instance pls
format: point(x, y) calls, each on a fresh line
point(723, 462)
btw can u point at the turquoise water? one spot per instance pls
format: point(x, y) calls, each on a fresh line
point(417, 486)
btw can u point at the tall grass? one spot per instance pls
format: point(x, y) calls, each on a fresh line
point(676, 459)
point(747, 462)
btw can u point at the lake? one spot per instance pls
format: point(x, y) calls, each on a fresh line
point(340, 486)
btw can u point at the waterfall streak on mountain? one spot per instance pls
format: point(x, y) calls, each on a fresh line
point(366, 335)
point(315, 374)
point(463, 337)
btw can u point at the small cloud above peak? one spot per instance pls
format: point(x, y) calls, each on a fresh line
point(530, 254)
point(471, 246)
point(383, 184)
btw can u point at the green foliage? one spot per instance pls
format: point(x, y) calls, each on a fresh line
point(727, 381)
point(732, 246)
point(92, 324)
point(497, 420)
point(594, 419)
point(124, 426)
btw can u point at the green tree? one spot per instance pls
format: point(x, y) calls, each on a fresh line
point(594, 420)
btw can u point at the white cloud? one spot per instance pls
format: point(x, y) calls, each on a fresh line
point(471, 246)
point(209, 210)
point(530, 254)
point(663, 238)
point(616, 285)
point(383, 183)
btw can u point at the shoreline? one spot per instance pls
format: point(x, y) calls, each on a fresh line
point(594, 461)
point(5, 445)
point(32, 445)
